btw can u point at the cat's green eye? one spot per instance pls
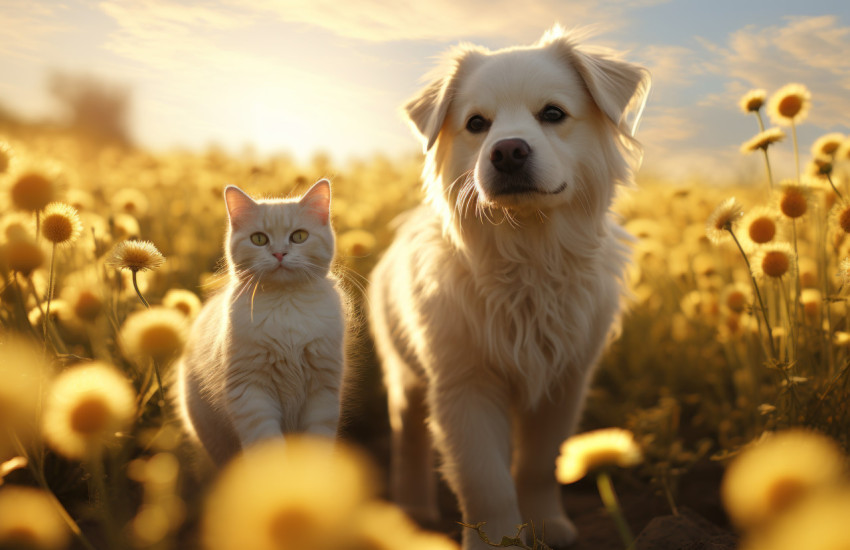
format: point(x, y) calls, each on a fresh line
point(259, 239)
point(299, 236)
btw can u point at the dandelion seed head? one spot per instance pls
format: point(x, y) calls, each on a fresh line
point(774, 474)
point(790, 104)
point(722, 220)
point(60, 223)
point(753, 100)
point(135, 256)
point(589, 451)
point(87, 404)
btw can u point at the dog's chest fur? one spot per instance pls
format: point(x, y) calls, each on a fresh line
point(536, 302)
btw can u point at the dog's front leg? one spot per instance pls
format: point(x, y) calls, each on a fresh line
point(539, 434)
point(472, 429)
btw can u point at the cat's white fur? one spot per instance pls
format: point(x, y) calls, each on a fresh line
point(265, 355)
point(490, 309)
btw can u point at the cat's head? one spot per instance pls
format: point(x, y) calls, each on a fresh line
point(280, 241)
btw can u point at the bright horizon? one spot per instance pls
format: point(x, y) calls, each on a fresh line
point(302, 76)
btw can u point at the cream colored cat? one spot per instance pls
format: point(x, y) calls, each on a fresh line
point(265, 355)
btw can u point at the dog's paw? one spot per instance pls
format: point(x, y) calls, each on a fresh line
point(558, 533)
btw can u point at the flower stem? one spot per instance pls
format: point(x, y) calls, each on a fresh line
point(796, 151)
point(138, 292)
point(50, 282)
point(767, 167)
point(609, 499)
point(758, 294)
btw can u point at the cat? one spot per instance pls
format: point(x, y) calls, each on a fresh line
point(265, 355)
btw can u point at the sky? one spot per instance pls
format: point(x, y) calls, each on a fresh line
point(301, 76)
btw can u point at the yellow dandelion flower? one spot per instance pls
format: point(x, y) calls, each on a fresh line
point(81, 200)
point(86, 302)
point(793, 199)
point(158, 332)
point(789, 104)
point(16, 225)
point(281, 495)
point(722, 220)
point(60, 223)
point(184, 301)
point(776, 473)
point(819, 168)
point(356, 243)
point(22, 255)
point(736, 297)
point(818, 523)
point(763, 140)
point(774, 260)
point(135, 256)
point(827, 145)
point(589, 451)
point(29, 519)
point(86, 406)
point(22, 371)
point(752, 101)
point(760, 224)
point(130, 201)
point(32, 191)
point(124, 227)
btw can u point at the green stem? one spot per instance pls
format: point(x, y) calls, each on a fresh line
point(138, 292)
point(758, 295)
point(609, 499)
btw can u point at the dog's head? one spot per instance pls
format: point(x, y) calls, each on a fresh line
point(529, 128)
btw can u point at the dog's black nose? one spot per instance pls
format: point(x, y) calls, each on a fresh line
point(509, 155)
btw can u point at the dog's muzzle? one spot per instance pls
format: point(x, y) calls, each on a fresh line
point(510, 159)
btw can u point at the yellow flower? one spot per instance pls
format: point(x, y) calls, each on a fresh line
point(158, 332)
point(22, 255)
point(773, 260)
point(722, 220)
point(184, 301)
point(22, 372)
point(789, 104)
point(16, 225)
point(827, 145)
point(32, 191)
point(818, 523)
point(294, 494)
point(382, 526)
point(737, 297)
point(760, 224)
point(793, 199)
point(763, 140)
point(776, 473)
point(135, 256)
point(752, 101)
point(585, 452)
point(29, 519)
point(60, 223)
point(86, 406)
point(85, 302)
point(130, 201)
point(5, 157)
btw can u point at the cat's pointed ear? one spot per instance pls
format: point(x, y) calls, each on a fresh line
point(240, 207)
point(317, 201)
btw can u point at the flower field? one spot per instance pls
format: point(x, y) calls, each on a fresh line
point(734, 352)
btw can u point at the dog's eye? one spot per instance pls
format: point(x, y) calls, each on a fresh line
point(552, 114)
point(477, 124)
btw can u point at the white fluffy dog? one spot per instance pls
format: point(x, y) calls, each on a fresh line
point(498, 296)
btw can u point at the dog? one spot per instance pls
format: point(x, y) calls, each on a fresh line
point(499, 293)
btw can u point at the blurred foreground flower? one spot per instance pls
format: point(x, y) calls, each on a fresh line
point(32, 191)
point(184, 301)
point(22, 371)
point(22, 255)
point(818, 523)
point(86, 406)
point(776, 473)
point(597, 451)
point(158, 333)
point(29, 519)
point(294, 494)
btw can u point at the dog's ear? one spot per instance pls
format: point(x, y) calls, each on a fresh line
point(427, 109)
point(620, 89)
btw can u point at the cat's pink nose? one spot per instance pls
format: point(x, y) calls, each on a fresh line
point(279, 255)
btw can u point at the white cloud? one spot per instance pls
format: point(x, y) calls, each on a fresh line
point(27, 27)
point(809, 50)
